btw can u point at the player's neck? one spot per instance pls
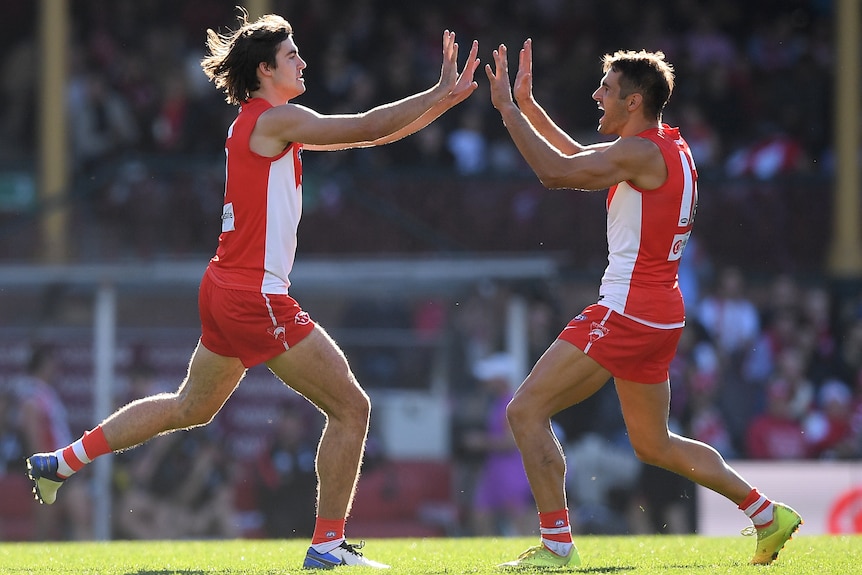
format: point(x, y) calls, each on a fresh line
point(637, 125)
point(272, 95)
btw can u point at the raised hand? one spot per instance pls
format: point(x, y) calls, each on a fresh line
point(465, 84)
point(523, 88)
point(498, 77)
point(449, 70)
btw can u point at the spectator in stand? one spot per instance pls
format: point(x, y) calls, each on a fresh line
point(732, 322)
point(774, 153)
point(285, 481)
point(12, 452)
point(829, 428)
point(179, 489)
point(729, 316)
point(820, 336)
point(694, 267)
point(706, 44)
point(45, 427)
point(781, 331)
point(468, 144)
point(169, 127)
point(790, 368)
point(502, 503)
point(17, 508)
point(780, 320)
point(703, 138)
point(695, 358)
point(706, 422)
point(850, 353)
point(102, 125)
point(776, 433)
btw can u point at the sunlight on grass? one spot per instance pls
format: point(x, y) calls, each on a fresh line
point(639, 555)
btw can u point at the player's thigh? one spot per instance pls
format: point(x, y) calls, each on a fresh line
point(317, 369)
point(210, 381)
point(563, 376)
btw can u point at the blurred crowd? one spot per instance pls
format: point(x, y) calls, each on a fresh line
point(753, 94)
point(748, 75)
point(179, 486)
point(766, 370)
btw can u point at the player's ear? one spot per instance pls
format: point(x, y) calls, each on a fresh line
point(634, 101)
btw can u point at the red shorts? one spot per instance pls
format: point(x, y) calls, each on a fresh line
point(628, 349)
point(251, 326)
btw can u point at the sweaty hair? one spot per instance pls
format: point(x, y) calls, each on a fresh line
point(233, 57)
point(645, 73)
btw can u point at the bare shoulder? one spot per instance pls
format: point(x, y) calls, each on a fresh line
point(279, 126)
point(641, 158)
point(634, 146)
point(281, 117)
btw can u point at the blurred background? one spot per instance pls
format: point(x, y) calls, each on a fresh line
point(439, 263)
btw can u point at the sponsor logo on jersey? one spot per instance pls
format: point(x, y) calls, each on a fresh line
point(227, 221)
point(677, 246)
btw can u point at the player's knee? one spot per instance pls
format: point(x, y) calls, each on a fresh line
point(354, 410)
point(189, 414)
point(649, 452)
point(195, 418)
point(361, 408)
point(518, 414)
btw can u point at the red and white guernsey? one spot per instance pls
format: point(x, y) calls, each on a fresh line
point(647, 232)
point(262, 207)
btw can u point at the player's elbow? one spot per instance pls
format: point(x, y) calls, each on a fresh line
point(549, 175)
point(553, 181)
point(560, 175)
point(569, 181)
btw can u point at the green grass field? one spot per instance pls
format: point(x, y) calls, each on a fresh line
point(641, 555)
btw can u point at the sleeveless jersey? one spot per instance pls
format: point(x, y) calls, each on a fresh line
point(262, 207)
point(647, 232)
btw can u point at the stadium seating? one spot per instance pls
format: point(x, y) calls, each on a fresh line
point(404, 499)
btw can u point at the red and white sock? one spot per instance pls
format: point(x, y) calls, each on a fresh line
point(758, 508)
point(74, 457)
point(556, 531)
point(328, 534)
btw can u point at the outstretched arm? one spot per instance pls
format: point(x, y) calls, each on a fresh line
point(535, 114)
point(464, 87)
point(590, 167)
point(281, 125)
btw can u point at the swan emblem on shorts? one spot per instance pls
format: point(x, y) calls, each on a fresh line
point(278, 332)
point(597, 331)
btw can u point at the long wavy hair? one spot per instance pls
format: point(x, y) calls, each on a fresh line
point(232, 61)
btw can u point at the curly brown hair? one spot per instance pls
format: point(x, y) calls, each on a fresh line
point(233, 57)
point(646, 73)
